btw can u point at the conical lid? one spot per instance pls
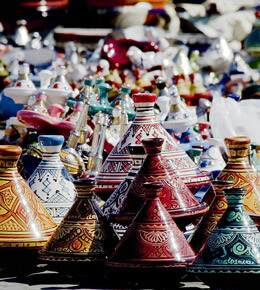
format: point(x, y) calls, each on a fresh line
point(116, 198)
point(175, 195)
point(234, 245)
point(152, 239)
point(24, 222)
point(242, 174)
point(84, 234)
point(145, 125)
point(212, 217)
point(51, 181)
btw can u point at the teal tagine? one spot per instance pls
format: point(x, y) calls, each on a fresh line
point(231, 257)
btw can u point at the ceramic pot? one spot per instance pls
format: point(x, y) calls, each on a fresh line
point(116, 198)
point(51, 181)
point(145, 125)
point(25, 225)
point(152, 242)
point(175, 195)
point(231, 256)
point(239, 170)
point(84, 238)
point(212, 217)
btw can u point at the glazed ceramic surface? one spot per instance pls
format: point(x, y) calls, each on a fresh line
point(145, 125)
point(116, 198)
point(211, 219)
point(51, 181)
point(102, 104)
point(24, 222)
point(234, 244)
point(240, 172)
point(175, 195)
point(84, 235)
point(153, 239)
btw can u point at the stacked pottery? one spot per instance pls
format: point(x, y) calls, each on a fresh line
point(51, 181)
point(84, 239)
point(117, 197)
point(240, 172)
point(145, 125)
point(152, 244)
point(25, 225)
point(212, 217)
point(175, 195)
point(231, 257)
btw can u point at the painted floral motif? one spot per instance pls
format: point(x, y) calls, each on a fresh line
point(220, 239)
point(152, 239)
point(234, 245)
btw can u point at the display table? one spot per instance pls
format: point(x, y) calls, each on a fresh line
point(53, 280)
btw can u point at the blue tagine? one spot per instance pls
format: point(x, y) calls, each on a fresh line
point(231, 257)
point(51, 181)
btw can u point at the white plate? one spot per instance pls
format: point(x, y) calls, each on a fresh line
point(39, 57)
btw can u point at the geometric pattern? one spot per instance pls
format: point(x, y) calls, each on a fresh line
point(58, 198)
point(83, 235)
point(23, 219)
point(46, 184)
point(50, 181)
point(145, 125)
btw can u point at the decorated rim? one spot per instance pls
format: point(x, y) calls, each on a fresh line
point(71, 258)
point(147, 265)
point(238, 140)
point(153, 142)
point(144, 98)
point(222, 269)
point(221, 183)
point(191, 211)
point(236, 191)
point(51, 140)
point(85, 182)
point(10, 150)
point(27, 244)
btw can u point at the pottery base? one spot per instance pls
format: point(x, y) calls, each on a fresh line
point(147, 274)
